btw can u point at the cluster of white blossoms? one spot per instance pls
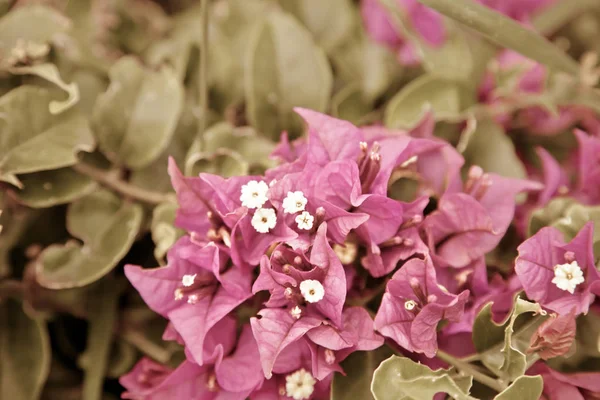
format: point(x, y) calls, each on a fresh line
point(568, 276)
point(255, 194)
point(300, 384)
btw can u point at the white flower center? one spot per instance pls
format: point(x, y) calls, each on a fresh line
point(254, 194)
point(296, 312)
point(410, 305)
point(300, 385)
point(188, 280)
point(264, 219)
point(294, 202)
point(568, 276)
point(305, 221)
point(312, 290)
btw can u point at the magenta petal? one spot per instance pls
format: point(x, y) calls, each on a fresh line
point(321, 369)
point(358, 321)
point(331, 338)
point(274, 331)
point(241, 371)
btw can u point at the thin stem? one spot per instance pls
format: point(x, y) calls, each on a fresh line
point(146, 346)
point(203, 72)
point(112, 182)
point(468, 369)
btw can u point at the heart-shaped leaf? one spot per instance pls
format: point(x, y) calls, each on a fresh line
point(399, 378)
point(135, 118)
point(106, 225)
point(284, 69)
point(24, 353)
point(35, 140)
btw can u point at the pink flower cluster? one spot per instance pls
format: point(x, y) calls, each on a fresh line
point(308, 249)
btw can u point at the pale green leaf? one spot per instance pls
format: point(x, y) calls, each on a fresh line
point(50, 188)
point(523, 388)
point(135, 118)
point(350, 104)
point(284, 69)
point(24, 353)
point(547, 215)
point(50, 73)
point(493, 150)
point(35, 23)
point(422, 95)
point(33, 139)
point(399, 378)
point(505, 32)
point(330, 22)
point(107, 226)
point(359, 368)
point(164, 233)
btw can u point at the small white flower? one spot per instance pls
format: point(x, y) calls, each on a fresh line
point(296, 312)
point(264, 219)
point(300, 385)
point(254, 194)
point(193, 299)
point(312, 290)
point(305, 221)
point(294, 202)
point(410, 305)
point(188, 280)
point(568, 276)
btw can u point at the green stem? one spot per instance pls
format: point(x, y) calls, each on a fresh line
point(108, 179)
point(146, 346)
point(469, 370)
point(203, 72)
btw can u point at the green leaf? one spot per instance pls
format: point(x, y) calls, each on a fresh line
point(330, 22)
point(486, 333)
point(493, 150)
point(359, 368)
point(556, 15)
point(50, 73)
point(135, 118)
point(547, 215)
point(284, 69)
point(106, 225)
point(229, 151)
point(102, 319)
point(505, 32)
point(24, 353)
point(49, 188)
point(164, 233)
point(35, 140)
point(399, 378)
point(523, 388)
point(33, 23)
point(350, 104)
point(424, 94)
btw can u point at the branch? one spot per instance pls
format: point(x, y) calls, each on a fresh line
point(470, 370)
point(112, 182)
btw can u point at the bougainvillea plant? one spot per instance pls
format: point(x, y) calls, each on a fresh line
point(299, 199)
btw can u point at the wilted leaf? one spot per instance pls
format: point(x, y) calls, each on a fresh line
point(493, 150)
point(33, 139)
point(422, 95)
point(102, 319)
point(505, 32)
point(399, 378)
point(50, 73)
point(164, 232)
point(359, 368)
point(135, 118)
point(330, 22)
point(24, 353)
point(106, 225)
point(50, 188)
point(34, 23)
point(523, 388)
point(284, 69)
